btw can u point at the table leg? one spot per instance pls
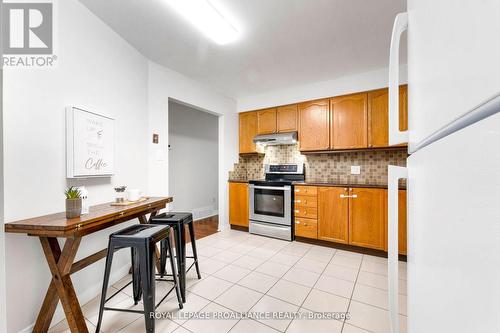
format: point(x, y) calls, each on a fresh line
point(61, 288)
point(144, 220)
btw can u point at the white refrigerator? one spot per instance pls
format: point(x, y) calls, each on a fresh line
point(453, 172)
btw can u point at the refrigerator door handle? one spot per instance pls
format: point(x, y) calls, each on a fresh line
point(395, 135)
point(395, 174)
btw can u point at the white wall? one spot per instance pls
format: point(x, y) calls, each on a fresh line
point(96, 70)
point(350, 84)
point(193, 156)
point(165, 84)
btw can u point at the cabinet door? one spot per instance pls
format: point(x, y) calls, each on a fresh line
point(238, 204)
point(349, 126)
point(314, 129)
point(248, 130)
point(378, 116)
point(402, 231)
point(367, 217)
point(333, 214)
point(287, 118)
point(266, 120)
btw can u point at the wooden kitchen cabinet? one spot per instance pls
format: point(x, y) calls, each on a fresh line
point(349, 121)
point(378, 116)
point(333, 214)
point(266, 120)
point(287, 117)
point(367, 217)
point(238, 204)
point(307, 228)
point(247, 131)
point(314, 125)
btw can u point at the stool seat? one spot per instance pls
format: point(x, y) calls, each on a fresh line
point(173, 218)
point(141, 233)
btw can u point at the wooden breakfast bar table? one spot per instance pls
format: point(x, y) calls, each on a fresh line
point(61, 262)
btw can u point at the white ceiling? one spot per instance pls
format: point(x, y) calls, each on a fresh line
point(283, 43)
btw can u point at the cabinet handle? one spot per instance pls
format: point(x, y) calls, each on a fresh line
point(395, 135)
point(297, 201)
point(297, 191)
point(395, 173)
point(343, 196)
point(297, 211)
point(305, 224)
point(297, 222)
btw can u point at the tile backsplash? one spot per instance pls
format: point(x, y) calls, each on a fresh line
point(331, 167)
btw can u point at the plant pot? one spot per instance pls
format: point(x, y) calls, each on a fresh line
point(73, 208)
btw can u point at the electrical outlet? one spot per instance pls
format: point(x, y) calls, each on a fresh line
point(355, 169)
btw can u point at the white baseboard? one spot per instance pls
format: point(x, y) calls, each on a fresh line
point(86, 296)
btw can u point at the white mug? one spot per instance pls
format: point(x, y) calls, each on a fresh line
point(133, 195)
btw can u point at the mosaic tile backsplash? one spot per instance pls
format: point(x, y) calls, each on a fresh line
point(330, 168)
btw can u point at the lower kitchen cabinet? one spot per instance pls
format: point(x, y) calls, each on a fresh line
point(238, 204)
point(307, 228)
point(367, 217)
point(333, 214)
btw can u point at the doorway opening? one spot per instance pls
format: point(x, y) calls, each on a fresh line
point(193, 167)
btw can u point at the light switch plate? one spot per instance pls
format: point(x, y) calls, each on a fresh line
point(355, 169)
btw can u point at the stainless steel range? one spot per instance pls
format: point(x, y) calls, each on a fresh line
point(271, 209)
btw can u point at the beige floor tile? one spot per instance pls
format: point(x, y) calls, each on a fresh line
point(285, 259)
point(243, 248)
point(92, 308)
point(62, 327)
point(211, 325)
point(311, 265)
point(374, 259)
point(239, 298)
point(122, 282)
point(350, 254)
point(258, 281)
point(193, 304)
point(210, 288)
point(314, 325)
point(224, 243)
point(113, 321)
point(251, 326)
point(270, 304)
point(322, 250)
point(301, 276)
point(248, 262)
point(290, 292)
point(210, 266)
point(181, 329)
point(318, 256)
point(353, 329)
point(341, 272)
point(262, 253)
point(273, 268)
point(347, 261)
point(379, 281)
point(295, 248)
point(227, 256)
point(372, 318)
point(335, 286)
point(377, 297)
point(374, 267)
point(232, 273)
point(161, 325)
point(208, 251)
point(320, 301)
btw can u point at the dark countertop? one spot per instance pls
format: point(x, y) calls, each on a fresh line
point(329, 183)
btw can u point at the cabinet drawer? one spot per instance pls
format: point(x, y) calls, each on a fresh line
point(308, 212)
point(306, 201)
point(306, 190)
point(306, 228)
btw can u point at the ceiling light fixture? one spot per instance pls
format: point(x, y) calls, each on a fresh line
point(204, 16)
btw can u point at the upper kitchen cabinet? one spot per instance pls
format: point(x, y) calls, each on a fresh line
point(349, 125)
point(287, 118)
point(266, 120)
point(314, 125)
point(367, 217)
point(378, 116)
point(248, 130)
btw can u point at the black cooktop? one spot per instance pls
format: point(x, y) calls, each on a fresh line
point(279, 182)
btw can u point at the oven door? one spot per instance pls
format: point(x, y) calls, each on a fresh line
point(271, 204)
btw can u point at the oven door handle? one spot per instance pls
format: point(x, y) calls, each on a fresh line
point(284, 188)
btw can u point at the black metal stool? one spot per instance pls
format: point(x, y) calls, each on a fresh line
point(178, 221)
point(142, 239)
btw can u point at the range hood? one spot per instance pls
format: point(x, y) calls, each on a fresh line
point(276, 139)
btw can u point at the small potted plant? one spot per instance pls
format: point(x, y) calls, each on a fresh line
point(73, 202)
